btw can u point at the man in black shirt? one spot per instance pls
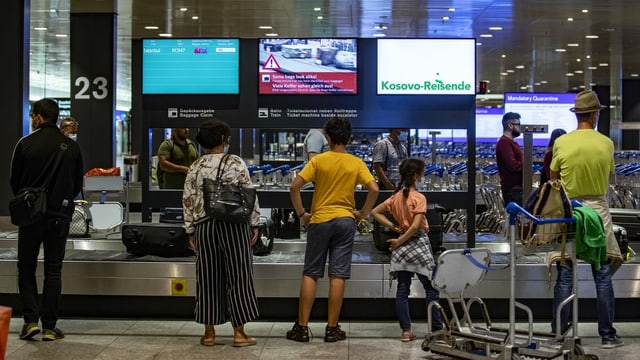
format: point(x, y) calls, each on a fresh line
point(33, 159)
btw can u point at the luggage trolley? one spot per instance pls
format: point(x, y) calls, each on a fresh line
point(457, 270)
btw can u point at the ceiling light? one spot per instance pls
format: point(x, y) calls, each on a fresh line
point(452, 9)
point(591, 36)
point(570, 19)
point(578, 59)
point(379, 35)
point(39, 28)
point(151, 27)
point(487, 81)
point(504, 73)
point(61, 35)
point(543, 81)
point(523, 88)
point(496, 28)
point(573, 44)
point(503, 56)
point(265, 27)
point(561, 50)
point(520, 67)
point(478, 43)
point(603, 64)
point(510, 71)
point(486, 35)
point(584, 11)
point(183, 9)
point(581, 86)
point(592, 84)
point(271, 34)
point(445, 18)
point(195, 17)
point(634, 75)
point(569, 74)
point(592, 68)
point(165, 35)
point(320, 17)
point(536, 84)
point(578, 72)
point(588, 56)
point(316, 9)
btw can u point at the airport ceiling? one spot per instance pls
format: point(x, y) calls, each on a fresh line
point(522, 45)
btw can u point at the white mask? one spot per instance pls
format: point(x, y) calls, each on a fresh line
point(226, 148)
point(73, 137)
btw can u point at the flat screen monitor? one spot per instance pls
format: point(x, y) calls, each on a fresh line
point(319, 66)
point(426, 67)
point(488, 125)
point(190, 66)
point(551, 109)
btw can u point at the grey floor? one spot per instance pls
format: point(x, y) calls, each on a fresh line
point(171, 339)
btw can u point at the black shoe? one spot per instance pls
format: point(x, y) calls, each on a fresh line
point(29, 330)
point(334, 333)
point(298, 333)
point(611, 341)
point(52, 334)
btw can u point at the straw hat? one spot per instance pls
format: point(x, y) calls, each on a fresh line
point(586, 102)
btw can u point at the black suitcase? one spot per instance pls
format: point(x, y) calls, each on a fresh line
point(264, 243)
point(171, 215)
point(164, 240)
point(628, 219)
point(623, 241)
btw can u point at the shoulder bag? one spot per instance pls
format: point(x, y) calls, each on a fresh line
point(227, 202)
point(30, 204)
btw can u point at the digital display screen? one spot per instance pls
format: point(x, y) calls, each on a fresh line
point(426, 66)
point(551, 109)
point(190, 66)
point(308, 66)
point(488, 125)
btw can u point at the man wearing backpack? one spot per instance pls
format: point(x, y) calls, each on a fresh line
point(175, 155)
point(583, 160)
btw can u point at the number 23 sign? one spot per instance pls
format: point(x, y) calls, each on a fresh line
point(98, 88)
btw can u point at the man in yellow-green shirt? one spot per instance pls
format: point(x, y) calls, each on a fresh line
point(583, 160)
point(331, 228)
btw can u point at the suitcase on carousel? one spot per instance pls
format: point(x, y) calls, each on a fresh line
point(628, 219)
point(165, 240)
point(172, 215)
point(623, 241)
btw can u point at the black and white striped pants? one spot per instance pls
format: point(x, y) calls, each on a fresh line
point(224, 274)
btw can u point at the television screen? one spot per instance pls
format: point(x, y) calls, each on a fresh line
point(307, 66)
point(488, 124)
point(190, 66)
point(426, 66)
point(551, 109)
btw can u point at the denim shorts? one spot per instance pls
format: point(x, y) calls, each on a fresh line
point(333, 238)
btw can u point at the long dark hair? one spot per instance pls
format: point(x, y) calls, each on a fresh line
point(408, 169)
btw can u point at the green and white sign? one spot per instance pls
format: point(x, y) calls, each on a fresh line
point(426, 66)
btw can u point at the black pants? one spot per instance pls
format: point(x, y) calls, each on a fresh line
point(51, 233)
point(512, 196)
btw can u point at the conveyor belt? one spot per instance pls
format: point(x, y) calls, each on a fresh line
point(100, 266)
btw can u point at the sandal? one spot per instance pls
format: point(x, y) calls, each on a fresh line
point(249, 341)
point(407, 336)
point(209, 338)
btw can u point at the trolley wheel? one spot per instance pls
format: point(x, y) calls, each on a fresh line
point(425, 345)
point(578, 353)
point(515, 357)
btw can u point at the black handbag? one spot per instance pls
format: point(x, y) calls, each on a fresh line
point(30, 204)
point(227, 202)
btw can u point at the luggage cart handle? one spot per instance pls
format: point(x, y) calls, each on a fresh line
point(514, 210)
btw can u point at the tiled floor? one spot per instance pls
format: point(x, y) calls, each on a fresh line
point(171, 339)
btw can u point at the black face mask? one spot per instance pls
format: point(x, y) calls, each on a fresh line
point(515, 133)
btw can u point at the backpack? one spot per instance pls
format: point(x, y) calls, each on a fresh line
point(548, 201)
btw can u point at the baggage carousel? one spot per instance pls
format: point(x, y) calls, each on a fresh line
point(98, 267)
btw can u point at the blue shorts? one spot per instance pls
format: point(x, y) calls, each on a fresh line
point(334, 238)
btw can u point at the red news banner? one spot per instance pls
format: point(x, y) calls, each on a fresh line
point(308, 83)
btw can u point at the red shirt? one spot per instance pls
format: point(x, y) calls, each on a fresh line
point(509, 160)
